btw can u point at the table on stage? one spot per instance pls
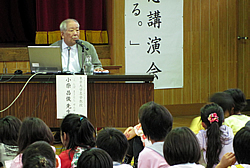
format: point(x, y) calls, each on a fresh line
point(113, 100)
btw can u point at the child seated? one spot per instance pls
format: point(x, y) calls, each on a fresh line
point(179, 154)
point(32, 129)
point(39, 154)
point(224, 100)
point(137, 141)
point(77, 135)
point(156, 123)
point(94, 158)
point(9, 128)
point(241, 149)
point(217, 139)
point(236, 120)
point(115, 144)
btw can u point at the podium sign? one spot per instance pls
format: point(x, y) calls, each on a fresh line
point(71, 94)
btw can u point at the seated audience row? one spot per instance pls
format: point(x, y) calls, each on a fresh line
point(31, 141)
point(232, 101)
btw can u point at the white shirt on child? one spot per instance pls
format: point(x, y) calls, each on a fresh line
point(227, 146)
point(187, 165)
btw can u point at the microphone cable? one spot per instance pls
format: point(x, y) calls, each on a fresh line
point(7, 79)
point(19, 92)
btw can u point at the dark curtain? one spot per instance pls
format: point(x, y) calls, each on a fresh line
point(18, 21)
point(90, 14)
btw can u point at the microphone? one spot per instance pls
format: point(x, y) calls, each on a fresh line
point(81, 44)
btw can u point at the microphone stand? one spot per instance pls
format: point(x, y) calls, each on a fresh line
point(83, 48)
point(82, 71)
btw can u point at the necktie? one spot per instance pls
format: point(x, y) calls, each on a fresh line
point(68, 57)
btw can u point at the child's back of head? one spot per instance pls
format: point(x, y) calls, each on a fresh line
point(9, 129)
point(79, 131)
point(113, 142)
point(95, 158)
point(241, 145)
point(239, 99)
point(33, 129)
point(176, 151)
point(212, 114)
point(224, 100)
point(156, 121)
point(40, 155)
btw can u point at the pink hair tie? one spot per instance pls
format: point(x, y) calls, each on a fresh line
point(213, 118)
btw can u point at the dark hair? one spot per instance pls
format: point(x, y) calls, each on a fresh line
point(224, 100)
point(40, 155)
point(247, 124)
point(95, 158)
point(241, 145)
point(156, 121)
point(33, 129)
point(9, 129)
point(114, 142)
point(213, 116)
point(176, 151)
point(239, 99)
point(80, 131)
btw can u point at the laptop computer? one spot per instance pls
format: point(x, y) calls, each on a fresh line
point(45, 59)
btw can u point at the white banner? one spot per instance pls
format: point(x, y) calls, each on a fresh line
point(154, 40)
point(71, 94)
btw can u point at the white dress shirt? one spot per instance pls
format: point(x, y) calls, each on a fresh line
point(74, 65)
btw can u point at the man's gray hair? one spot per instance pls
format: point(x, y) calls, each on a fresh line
point(64, 24)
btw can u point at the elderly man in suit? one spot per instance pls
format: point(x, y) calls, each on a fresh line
point(75, 50)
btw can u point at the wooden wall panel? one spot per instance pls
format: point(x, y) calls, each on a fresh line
point(11, 67)
point(9, 54)
point(168, 96)
point(187, 60)
point(214, 46)
point(205, 50)
point(209, 51)
point(195, 42)
point(12, 54)
point(244, 46)
point(159, 98)
point(232, 50)
point(116, 28)
point(1, 67)
point(222, 50)
point(178, 96)
point(210, 59)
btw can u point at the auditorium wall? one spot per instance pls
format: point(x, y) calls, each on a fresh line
point(210, 51)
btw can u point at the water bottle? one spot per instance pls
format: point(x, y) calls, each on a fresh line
point(88, 66)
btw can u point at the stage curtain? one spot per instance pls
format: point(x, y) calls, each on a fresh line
point(91, 14)
point(18, 21)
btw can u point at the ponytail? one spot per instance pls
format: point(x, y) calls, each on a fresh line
point(213, 116)
point(86, 134)
point(214, 144)
point(80, 131)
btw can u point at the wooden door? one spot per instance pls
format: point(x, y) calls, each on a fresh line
point(243, 46)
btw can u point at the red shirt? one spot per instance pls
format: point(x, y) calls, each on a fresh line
point(65, 160)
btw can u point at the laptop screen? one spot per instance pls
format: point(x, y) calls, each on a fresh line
point(45, 59)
